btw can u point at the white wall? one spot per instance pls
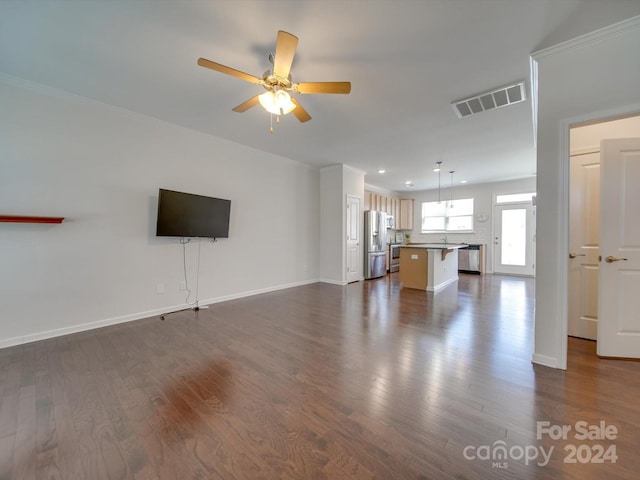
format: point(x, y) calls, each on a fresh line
point(593, 77)
point(483, 195)
point(101, 168)
point(331, 225)
point(588, 137)
point(336, 182)
point(381, 191)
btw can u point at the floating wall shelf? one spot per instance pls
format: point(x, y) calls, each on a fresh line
point(27, 219)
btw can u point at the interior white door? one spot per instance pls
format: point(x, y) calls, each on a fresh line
point(354, 268)
point(584, 245)
point(514, 237)
point(619, 276)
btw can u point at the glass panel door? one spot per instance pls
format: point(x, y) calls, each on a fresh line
point(514, 237)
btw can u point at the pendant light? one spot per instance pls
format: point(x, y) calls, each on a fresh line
point(451, 190)
point(437, 169)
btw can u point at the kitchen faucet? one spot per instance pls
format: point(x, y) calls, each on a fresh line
point(444, 239)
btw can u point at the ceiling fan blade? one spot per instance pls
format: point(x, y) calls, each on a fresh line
point(322, 87)
point(243, 107)
point(300, 113)
point(285, 50)
point(203, 62)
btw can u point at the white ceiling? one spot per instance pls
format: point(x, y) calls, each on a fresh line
point(407, 61)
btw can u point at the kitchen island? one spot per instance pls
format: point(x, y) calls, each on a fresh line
point(429, 266)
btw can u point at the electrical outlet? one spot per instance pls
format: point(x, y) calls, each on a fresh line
point(160, 288)
point(183, 284)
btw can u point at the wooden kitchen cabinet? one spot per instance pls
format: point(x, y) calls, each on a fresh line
point(414, 264)
point(375, 203)
point(367, 200)
point(400, 208)
point(396, 212)
point(406, 214)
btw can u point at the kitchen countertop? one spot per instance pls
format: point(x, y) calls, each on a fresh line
point(435, 246)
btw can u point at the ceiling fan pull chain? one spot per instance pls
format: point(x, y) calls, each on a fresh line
point(271, 123)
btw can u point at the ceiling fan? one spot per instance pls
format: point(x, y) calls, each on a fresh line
point(277, 82)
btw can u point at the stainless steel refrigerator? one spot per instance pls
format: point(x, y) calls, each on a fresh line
point(375, 235)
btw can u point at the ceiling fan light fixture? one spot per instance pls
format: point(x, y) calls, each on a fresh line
point(278, 102)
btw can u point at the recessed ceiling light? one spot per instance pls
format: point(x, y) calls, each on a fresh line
point(382, 170)
point(408, 183)
point(463, 181)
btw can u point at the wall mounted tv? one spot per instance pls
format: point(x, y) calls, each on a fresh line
point(189, 215)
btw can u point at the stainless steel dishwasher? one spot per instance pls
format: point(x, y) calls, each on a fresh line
point(469, 259)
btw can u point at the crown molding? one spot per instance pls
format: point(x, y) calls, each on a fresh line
point(588, 39)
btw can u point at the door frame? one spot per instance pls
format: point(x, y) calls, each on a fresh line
point(531, 244)
point(562, 265)
point(359, 271)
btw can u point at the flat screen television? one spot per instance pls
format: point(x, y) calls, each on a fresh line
point(189, 215)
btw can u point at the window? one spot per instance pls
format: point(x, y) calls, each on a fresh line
point(448, 216)
point(515, 198)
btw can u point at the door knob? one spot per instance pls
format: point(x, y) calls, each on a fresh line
point(574, 255)
point(611, 259)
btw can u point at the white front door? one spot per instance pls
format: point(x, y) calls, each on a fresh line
point(514, 237)
point(354, 269)
point(584, 245)
point(619, 276)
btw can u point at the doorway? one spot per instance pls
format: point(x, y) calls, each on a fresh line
point(514, 237)
point(584, 220)
point(353, 266)
point(584, 243)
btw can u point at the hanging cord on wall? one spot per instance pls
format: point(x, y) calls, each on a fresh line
point(184, 241)
point(198, 275)
point(193, 305)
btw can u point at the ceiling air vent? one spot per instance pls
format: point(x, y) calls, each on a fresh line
point(500, 97)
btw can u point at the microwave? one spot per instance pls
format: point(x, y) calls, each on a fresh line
point(389, 220)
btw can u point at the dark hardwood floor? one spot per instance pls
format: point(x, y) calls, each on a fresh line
point(321, 381)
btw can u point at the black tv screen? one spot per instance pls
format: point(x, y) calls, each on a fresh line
point(189, 215)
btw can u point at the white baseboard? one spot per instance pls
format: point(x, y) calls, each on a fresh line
point(333, 282)
point(442, 285)
point(545, 360)
point(83, 327)
point(259, 291)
